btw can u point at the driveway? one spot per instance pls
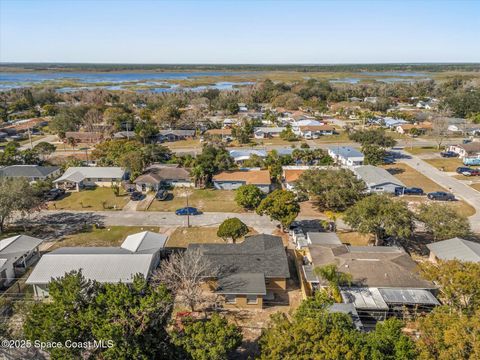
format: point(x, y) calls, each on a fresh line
point(453, 185)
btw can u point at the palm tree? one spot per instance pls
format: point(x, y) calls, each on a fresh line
point(334, 278)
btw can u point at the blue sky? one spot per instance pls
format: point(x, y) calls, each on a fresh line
point(239, 31)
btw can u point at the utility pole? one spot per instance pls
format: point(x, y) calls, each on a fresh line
point(188, 212)
point(30, 138)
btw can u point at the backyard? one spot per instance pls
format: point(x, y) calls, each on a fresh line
point(206, 200)
point(97, 199)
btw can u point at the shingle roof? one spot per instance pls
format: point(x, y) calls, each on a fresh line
point(29, 171)
point(373, 175)
point(77, 174)
point(456, 248)
point(256, 177)
point(243, 284)
point(177, 132)
point(292, 175)
point(257, 254)
point(371, 266)
point(159, 173)
point(345, 152)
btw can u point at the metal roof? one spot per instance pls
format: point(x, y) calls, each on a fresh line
point(408, 296)
point(345, 152)
point(18, 244)
point(456, 248)
point(243, 284)
point(364, 298)
point(323, 238)
point(145, 241)
point(77, 174)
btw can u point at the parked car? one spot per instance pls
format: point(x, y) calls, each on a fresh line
point(462, 169)
point(54, 194)
point(136, 196)
point(471, 172)
point(408, 191)
point(388, 160)
point(441, 195)
point(448, 154)
point(187, 211)
point(161, 195)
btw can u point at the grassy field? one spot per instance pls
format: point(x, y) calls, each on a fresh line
point(449, 164)
point(190, 143)
point(94, 199)
point(354, 238)
point(110, 236)
point(206, 200)
point(412, 178)
point(183, 236)
point(342, 136)
point(421, 150)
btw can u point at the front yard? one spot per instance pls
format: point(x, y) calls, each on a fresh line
point(183, 236)
point(97, 199)
point(419, 150)
point(206, 200)
point(448, 164)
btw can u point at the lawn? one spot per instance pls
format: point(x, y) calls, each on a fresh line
point(448, 164)
point(188, 144)
point(206, 200)
point(421, 150)
point(110, 236)
point(354, 238)
point(183, 236)
point(342, 136)
point(97, 199)
point(275, 141)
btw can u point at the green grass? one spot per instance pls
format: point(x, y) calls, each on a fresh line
point(421, 150)
point(109, 236)
point(342, 136)
point(90, 200)
point(206, 200)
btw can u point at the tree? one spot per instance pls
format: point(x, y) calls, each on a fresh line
point(440, 126)
point(459, 283)
point(335, 279)
point(132, 318)
point(212, 160)
point(288, 134)
point(280, 205)
point(443, 222)
point(249, 196)
point(232, 228)
point(210, 339)
point(334, 190)
point(44, 149)
point(72, 142)
point(374, 155)
point(183, 274)
point(373, 137)
point(381, 216)
point(447, 334)
point(16, 195)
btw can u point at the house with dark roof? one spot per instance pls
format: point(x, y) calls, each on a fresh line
point(17, 254)
point(161, 175)
point(385, 279)
point(138, 254)
point(455, 249)
point(175, 135)
point(466, 150)
point(247, 274)
point(30, 172)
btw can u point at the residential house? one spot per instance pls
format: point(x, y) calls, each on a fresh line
point(304, 240)
point(247, 274)
point(229, 122)
point(315, 131)
point(17, 254)
point(471, 149)
point(267, 132)
point(175, 135)
point(378, 180)
point(163, 175)
point(124, 135)
point(138, 254)
point(239, 156)
point(81, 177)
point(290, 174)
point(392, 123)
point(407, 128)
point(297, 124)
point(455, 249)
point(225, 133)
point(385, 280)
point(84, 137)
point(346, 155)
point(232, 180)
point(30, 172)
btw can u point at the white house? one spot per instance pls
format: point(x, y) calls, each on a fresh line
point(378, 180)
point(232, 180)
point(138, 254)
point(240, 156)
point(346, 155)
point(267, 132)
point(80, 177)
point(466, 150)
point(17, 253)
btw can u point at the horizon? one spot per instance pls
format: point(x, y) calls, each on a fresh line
point(248, 33)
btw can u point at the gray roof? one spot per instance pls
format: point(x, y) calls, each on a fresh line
point(243, 284)
point(236, 154)
point(28, 171)
point(456, 248)
point(77, 174)
point(345, 151)
point(364, 298)
point(372, 266)
point(15, 247)
point(267, 129)
point(177, 132)
point(262, 253)
point(158, 173)
point(145, 242)
point(374, 176)
point(323, 238)
point(348, 309)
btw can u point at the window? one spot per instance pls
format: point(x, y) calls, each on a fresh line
point(252, 299)
point(230, 299)
point(99, 179)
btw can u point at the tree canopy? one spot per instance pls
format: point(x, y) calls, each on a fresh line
point(280, 205)
point(443, 222)
point(249, 196)
point(232, 228)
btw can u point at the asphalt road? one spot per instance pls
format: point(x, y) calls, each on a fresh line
point(48, 138)
point(455, 186)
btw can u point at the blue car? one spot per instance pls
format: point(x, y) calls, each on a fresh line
point(187, 211)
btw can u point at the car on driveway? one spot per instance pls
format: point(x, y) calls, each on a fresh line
point(187, 211)
point(408, 191)
point(471, 172)
point(462, 169)
point(136, 196)
point(161, 195)
point(441, 195)
point(54, 194)
point(448, 154)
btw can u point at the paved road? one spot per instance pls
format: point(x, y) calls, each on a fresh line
point(48, 138)
point(458, 188)
point(156, 218)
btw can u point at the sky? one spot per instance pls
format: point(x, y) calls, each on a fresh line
point(239, 32)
